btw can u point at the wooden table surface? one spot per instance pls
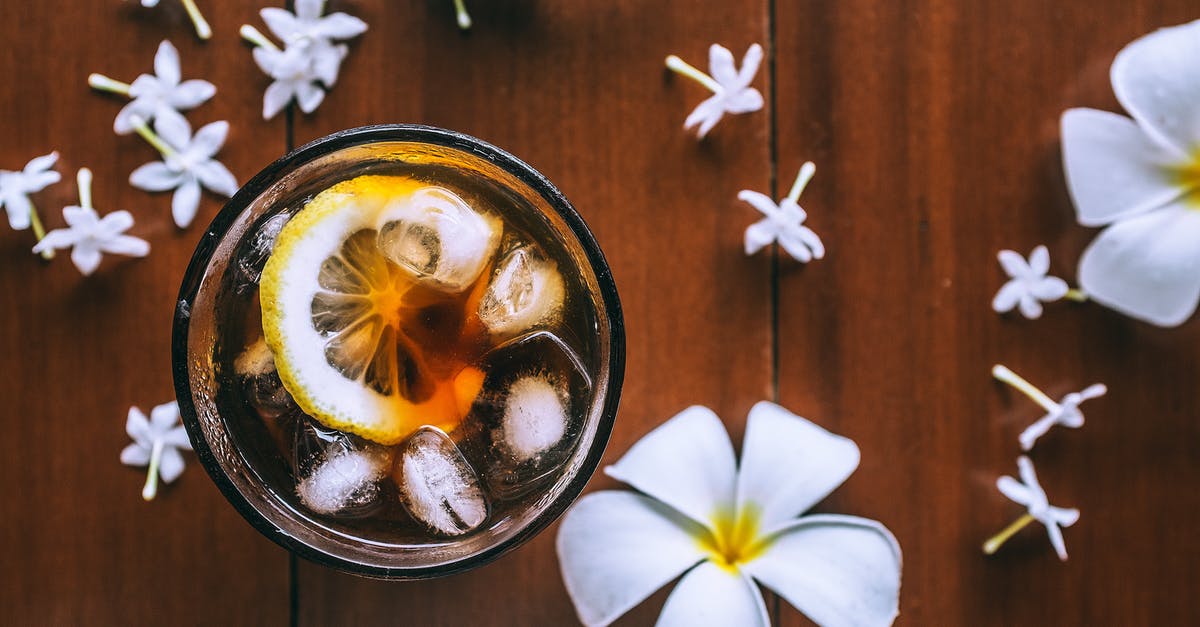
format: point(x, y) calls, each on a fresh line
point(934, 126)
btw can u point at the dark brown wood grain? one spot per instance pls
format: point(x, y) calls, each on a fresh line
point(934, 127)
point(79, 546)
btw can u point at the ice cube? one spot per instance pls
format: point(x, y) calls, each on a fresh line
point(437, 236)
point(532, 408)
point(535, 417)
point(437, 485)
point(525, 290)
point(251, 261)
point(255, 367)
point(346, 480)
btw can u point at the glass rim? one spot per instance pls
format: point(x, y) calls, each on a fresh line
point(350, 138)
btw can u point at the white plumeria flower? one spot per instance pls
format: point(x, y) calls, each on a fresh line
point(1028, 285)
point(1065, 412)
point(89, 236)
point(162, 95)
point(727, 525)
point(730, 86)
point(1141, 178)
point(784, 223)
point(157, 443)
point(15, 188)
point(309, 56)
point(203, 30)
point(1029, 492)
point(187, 164)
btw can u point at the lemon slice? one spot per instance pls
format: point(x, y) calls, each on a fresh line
point(334, 315)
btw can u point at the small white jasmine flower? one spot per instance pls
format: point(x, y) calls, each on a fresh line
point(460, 14)
point(1028, 285)
point(784, 223)
point(1029, 492)
point(89, 236)
point(15, 188)
point(1140, 178)
point(309, 57)
point(203, 30)
point(187, 164)
point(1065, 412)
point(731, 88)
point(157, 443)
point(724, 525)
point(157, 96)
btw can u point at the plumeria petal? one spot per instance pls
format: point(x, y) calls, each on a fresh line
point(789, 464)
point(722, 65)
point(86, 257)
point(309, 96)
point(185, 202)
point(1147, 267)
point(209, 139)
point(340, 26)
point(135, 455)
point(155, 177)
point(712, 595)
point(1008, 296)
point(1157, 80)
point(216, 177)
point(1113, 168)
point(191, 94)
point(170, 466)
point(687, 463)
point(166, 63)
point(616, 548)
point(838, 570)
point(277, 96)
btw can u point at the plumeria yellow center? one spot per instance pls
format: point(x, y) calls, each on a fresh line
point(1187, 176)
point(737, 538)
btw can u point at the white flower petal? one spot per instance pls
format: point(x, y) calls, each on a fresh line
point(328, 62)
point(340, 26)
point(1009, 295)
point(79, 218)
point(18, 207)
point(277, 96)
point(123, 124)
point(281, 23)
point(721, 65)
point(216, 177)
point(705, 115)
point(744, 101)
point(1039, 260)
point(37, 181)
point(267, 59)
point(135, 455)
point(170, 466)
point(1014, 490)
point(1157, 80)
point(178, 438)
point(789, 464)
point(56, 239)
point(1113, 169)
point(209, 139)
point(191, 94)
point(114, 224)
point(838, 570)
point(750, 62)
point(137, 426)
point(173, 128)
point(1014, 264)
point(759, 235)
point(711, 595)
point(166, 63)
point(1147, 267)
point(309, 10)
point(1056, 541)
point(810, 239)
point(1050, 289)
point(155, 177)
point(41, 164)
point(309, 96)
point(759, 201)
point(127, 245)
point(687, 463)
point(616, 548)
point(794, 246)
point(86, 257)
point(1029, 306)
point(185, 202)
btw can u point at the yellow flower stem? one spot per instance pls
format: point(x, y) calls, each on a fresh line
point(39, 231)
point(1076, 295)
point(151, 488)
point(203, 30)
point(255, 36)
point(104, 83)
point(806, 173)
point(464, 18)
point(993, 544)
point(1005, 375)
point(679, 66)
point(151, 137)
